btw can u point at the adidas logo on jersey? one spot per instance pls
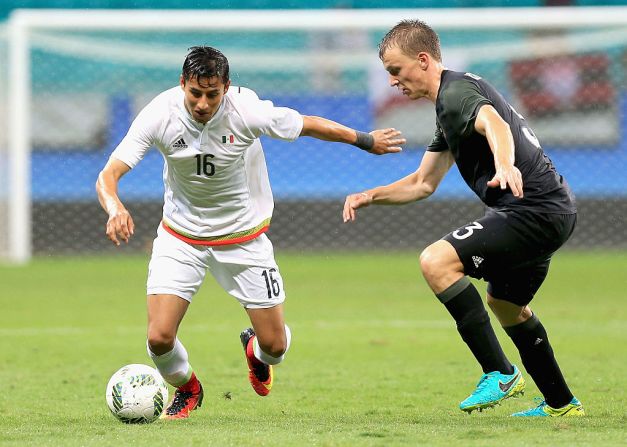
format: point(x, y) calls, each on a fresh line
point(477, 260)
point(180, 144)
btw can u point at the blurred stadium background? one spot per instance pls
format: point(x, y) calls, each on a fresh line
point(86, 87)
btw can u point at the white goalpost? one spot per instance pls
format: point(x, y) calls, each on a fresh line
point(122, 37)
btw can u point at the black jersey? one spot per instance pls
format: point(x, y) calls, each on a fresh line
point(460, 97)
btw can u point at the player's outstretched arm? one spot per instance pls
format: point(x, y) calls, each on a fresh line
point(490, 124)
point(416, 186)
point(378, 142)
point(120, 225)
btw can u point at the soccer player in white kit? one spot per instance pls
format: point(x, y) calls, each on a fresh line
point(217, 206)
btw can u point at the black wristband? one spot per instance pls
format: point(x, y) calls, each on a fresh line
point(364, 141)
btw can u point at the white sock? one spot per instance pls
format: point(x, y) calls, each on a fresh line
point(267, 358)
point(173, 366)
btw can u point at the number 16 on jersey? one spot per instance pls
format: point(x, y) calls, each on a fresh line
point(272, 284)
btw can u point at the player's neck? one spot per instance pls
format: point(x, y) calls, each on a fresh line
point(434, 83)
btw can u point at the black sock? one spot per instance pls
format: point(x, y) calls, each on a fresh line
point(537, 355)
point(473, 323)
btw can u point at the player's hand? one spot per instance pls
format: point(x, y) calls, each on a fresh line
point(120, 226)
point(509, 176)
point(354, 202)
point(386, 141)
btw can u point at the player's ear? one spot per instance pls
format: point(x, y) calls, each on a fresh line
point(182, 81)
point(423, 60)
point(227, 85)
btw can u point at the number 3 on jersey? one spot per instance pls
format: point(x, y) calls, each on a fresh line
point(272, 284)
point(458, 234)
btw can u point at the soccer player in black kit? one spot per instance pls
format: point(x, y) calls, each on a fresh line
point(530, 213)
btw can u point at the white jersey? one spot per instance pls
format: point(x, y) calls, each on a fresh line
point(215, 176)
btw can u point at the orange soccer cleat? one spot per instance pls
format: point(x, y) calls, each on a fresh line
point(186, 398)
point(259, 373)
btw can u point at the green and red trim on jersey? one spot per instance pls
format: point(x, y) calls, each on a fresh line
point(226, 239)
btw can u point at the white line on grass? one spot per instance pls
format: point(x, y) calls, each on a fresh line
point(73, 331)
point(609, 327)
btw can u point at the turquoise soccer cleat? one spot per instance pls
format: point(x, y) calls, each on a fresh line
point(492, 389)
point(574, 408)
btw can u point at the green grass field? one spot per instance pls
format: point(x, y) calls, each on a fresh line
point(375, 359)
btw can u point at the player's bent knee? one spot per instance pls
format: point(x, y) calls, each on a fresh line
point(160, 342)
point(431, 262)
point(273, 351)
point(278, 352)
point(426, 260)
point(276, 347)
point(508, 313)
point(440, 260)
point(270, 354)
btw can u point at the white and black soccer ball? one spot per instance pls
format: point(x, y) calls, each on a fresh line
point(136, 394)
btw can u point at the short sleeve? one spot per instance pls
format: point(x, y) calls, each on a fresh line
point(461, 101)
point(438, 143)
point(263, 118)
point(139, 138)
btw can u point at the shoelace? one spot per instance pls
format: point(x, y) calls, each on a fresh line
point(179, 402)
point(540, 402)
point(483, 381)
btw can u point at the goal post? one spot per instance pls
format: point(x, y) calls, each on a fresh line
point(18, 142)
point(283, 54)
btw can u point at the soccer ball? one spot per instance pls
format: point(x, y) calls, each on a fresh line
point(136, 394)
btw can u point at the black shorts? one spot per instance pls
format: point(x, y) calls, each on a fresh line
point(511, 250)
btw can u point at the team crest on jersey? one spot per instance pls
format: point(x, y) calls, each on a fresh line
point(228, 139)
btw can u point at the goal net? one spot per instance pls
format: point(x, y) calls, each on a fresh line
point(72, 81)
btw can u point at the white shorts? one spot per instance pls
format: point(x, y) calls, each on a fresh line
point(247, 271)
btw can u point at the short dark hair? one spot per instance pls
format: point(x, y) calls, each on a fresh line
point(205, 62)
point(412, 37)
